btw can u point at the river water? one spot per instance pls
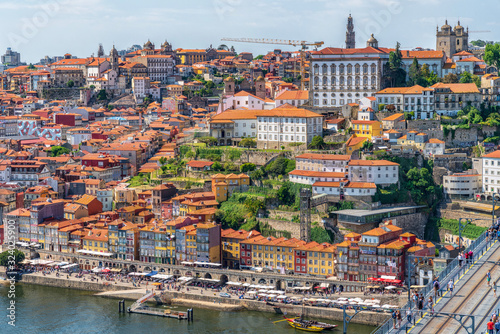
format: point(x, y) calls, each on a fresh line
point(41, 309)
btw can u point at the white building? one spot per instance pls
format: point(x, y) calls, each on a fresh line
point(434, 147)
point(491, 172)
point(342, 76)
point(418, 99)
point(450, 98)
point(140, 86)
point(245, 100)
point(310, 177)
point(380, 172)
point(105, 196)
point(295, 98)
point(322, 162)
point(345, 188)
point(462, 185)
point(285, 125)
point(433, 59)
point(78, 135)
point(232, 125)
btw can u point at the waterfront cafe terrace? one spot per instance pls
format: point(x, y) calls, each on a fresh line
point(385, 279)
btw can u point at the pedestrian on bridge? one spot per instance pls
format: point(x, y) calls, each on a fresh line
point(488, 277)
point(431, 305)
point(495, 288)
point(490, 326)
point(408, 315)
point(497, 326)
point(450, 287)
point(436, 288)
point(421, 305)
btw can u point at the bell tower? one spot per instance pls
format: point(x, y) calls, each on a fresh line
point(350, 35)
point(114, 59)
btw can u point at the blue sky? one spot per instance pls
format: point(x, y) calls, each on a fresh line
point(53, 27)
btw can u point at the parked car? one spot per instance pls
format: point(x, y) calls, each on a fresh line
point(224, 295)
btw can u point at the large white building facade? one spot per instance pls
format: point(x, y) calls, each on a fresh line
point(491, 173)
point(341, 76)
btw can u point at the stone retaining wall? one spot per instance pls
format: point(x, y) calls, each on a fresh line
point(61, 282)
point(366, 318)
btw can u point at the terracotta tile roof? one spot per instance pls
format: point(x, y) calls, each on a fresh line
point(317, 156)
point(360, 51)
point(435, 141)
point(353, 141)
point(495, 154)
point(372, 163)
point(394, 117)
point(293, 95)
point(86, 199)
point(458, 87)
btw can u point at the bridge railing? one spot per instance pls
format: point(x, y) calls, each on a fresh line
point(476, 247)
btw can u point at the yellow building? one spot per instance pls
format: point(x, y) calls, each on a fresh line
point(368, 129)
point(230, 240)
point(274, 252)
point(223, 186)
point(320, 260)
point(190, 243)
point(189, 206)
point(415, 139)
point(354, 143)
point(96, 240)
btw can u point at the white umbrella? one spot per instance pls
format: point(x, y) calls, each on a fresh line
point(390, 287)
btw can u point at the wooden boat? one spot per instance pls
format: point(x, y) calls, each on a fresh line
point(303, 326)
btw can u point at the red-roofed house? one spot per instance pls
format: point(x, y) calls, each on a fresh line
point(199, 166)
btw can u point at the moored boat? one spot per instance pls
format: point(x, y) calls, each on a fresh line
point(303, 325)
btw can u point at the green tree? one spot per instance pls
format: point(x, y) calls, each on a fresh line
point(414, 72)
point(229, 165)
point(56, 151)
point(395, 74)
point(217, 167)
point(450, 78)
point(248, 142)
point(285, 194)
point(477, 80)
point(247, 167)
point(492, 55)
point(480, 43)
point(428, 77)
point(254, 205)
point(31, 67)
point(259, 57)
point(320, 235)
point(209, 141)
point(209, 85)
point(367, 145)
point(102, 95)
point(71, 84)
point(317, 143)
point(6, 257)
point(257, 174)
point(460, 113)
point(465, 77)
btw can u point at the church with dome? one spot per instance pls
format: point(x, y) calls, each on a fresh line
point(452, 40)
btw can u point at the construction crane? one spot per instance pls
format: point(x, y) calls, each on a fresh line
point(304, 45)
